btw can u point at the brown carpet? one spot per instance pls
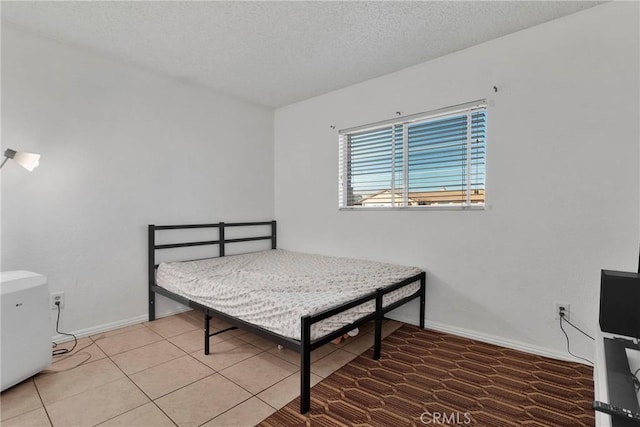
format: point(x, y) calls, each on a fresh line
point(431, 378)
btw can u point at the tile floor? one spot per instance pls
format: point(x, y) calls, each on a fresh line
point(156, 374)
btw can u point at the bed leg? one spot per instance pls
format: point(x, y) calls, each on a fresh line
point(152, 306)
point(305, 365)
point(378, 338)
point(423, 293)
point(207, 320)
point(378, 327)
point(151, 273)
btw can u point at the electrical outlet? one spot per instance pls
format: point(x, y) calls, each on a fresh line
point(56, 297)
point(564, 307)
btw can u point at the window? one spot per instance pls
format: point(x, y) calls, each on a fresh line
point(434, 159)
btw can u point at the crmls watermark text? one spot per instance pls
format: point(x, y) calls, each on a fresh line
point(435, 418)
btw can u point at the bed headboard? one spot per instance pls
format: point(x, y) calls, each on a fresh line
point(221, 241)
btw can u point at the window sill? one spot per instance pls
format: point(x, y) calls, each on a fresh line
point(413, 208)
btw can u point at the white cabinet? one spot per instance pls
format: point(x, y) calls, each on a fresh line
point(25, 337)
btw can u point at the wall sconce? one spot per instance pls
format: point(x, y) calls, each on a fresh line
point(29, 161)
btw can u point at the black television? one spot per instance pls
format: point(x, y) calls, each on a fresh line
point(620, 303)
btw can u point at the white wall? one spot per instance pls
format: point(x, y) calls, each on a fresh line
point(563, 184)
point(121, 148)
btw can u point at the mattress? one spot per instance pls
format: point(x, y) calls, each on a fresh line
point(273, 289)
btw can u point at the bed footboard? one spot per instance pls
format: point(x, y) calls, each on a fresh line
point(307, 346)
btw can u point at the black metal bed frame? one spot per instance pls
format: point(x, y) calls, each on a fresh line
point(305, 346)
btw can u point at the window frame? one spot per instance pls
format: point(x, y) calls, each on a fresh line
point(344, 152)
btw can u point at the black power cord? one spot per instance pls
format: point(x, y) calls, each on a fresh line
point(61, 351)
point(562, 317)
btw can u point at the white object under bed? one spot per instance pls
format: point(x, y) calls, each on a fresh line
point(273, 289)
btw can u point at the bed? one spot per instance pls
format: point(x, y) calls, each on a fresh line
point(296, 300)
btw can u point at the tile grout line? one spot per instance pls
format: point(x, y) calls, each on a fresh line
point(220, 414)
point(214, 372)
point(80, 392)
point(152, 401)
point(297, 372)
point(142, 391)
point(38, 391)
point(109, 357)
point(42, 402)
point(167, 340)
point(184, 386)
point(251, 393)
point(76, 352)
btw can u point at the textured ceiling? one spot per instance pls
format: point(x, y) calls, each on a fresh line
point(277, 53)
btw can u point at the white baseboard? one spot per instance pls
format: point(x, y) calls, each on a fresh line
point(491, 339)
point(436, 326)
point(94, 330)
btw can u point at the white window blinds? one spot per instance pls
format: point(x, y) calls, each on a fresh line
point(428, 159)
